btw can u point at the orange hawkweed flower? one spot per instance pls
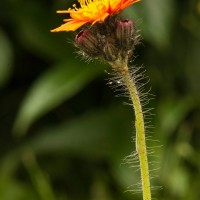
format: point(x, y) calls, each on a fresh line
point(91, 11)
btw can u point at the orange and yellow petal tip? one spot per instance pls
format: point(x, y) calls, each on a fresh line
point(69, 26)
point(56, 30)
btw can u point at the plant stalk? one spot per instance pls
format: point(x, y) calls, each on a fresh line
point(140, 134)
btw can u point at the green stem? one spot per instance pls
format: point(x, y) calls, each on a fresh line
point(140, 134)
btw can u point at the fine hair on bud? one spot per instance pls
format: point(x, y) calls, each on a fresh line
point(88, 43)
point(111, 41)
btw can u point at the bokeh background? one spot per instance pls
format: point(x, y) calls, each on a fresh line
point(64, 134)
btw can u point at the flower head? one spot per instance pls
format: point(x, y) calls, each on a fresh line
point(91, 11)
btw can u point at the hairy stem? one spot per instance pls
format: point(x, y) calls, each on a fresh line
point(140, 134)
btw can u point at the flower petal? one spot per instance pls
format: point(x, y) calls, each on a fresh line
point(69, 26)
point(91, 11)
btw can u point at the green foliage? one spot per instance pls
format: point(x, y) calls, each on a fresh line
point(54, 87)
point(73, 132)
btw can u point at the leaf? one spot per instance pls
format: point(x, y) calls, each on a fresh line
point(100, 133)
point(172, 112)
point(40, 181)
point(12, 189)
point(51, 89)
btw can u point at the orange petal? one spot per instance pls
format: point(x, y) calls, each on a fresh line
point(101, 18)
point(69, 26)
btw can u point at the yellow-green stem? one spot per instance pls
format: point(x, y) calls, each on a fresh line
point(140, 134)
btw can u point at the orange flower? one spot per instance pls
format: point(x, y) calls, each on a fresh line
point(91, 11)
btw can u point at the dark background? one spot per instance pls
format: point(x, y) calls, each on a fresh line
point(63, 134)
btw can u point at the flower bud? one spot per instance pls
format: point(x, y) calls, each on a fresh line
point(87, 42)
point(125, 34)
point(110, 52)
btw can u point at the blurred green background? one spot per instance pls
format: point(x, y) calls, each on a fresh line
point(63, 134)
